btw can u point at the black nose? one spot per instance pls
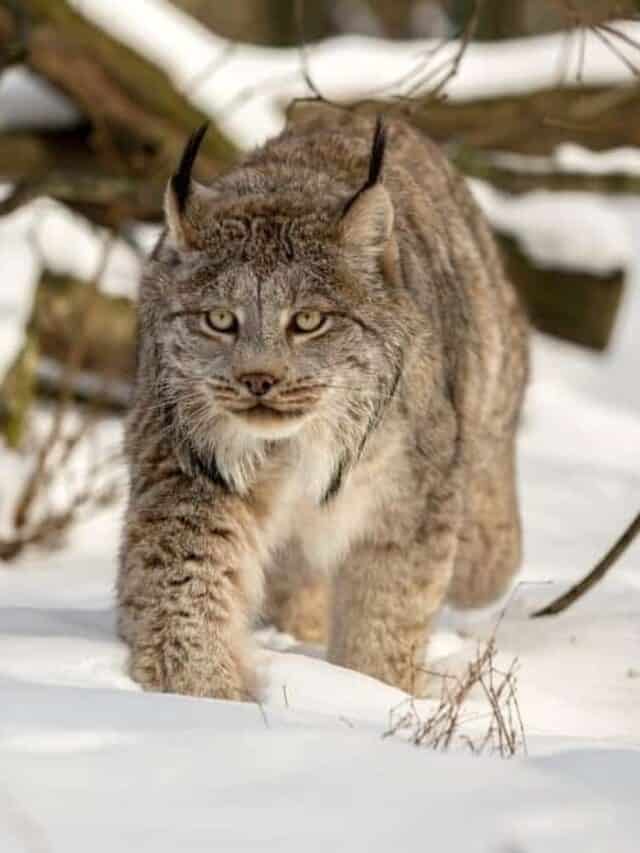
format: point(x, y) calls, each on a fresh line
point(258, 383)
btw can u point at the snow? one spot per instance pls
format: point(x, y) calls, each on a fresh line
point(561, 230)
point(575, 158)
point(28, 102)
point(296, 784)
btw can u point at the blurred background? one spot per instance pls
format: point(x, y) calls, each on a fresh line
point(536, 101)
point(275, 22)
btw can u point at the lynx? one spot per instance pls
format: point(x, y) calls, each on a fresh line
point(331, 365)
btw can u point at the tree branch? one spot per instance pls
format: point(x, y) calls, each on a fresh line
point(596, 574)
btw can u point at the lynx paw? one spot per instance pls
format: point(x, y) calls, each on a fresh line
point(218, 679)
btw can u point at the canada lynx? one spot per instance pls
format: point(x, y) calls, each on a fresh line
point(331, 366)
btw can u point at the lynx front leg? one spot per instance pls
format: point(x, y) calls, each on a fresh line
point(385, 597)
point(189, 580)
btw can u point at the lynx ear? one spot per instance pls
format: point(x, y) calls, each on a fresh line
point(184, 198)
point(367, 219)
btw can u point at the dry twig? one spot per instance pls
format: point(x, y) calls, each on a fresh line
point(596, 574)
point(504, 733)
point(33, 523)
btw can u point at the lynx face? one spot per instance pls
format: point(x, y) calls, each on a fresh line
point(272, 321)
point(265, 351)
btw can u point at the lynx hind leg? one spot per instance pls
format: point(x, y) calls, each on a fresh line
point(296, 598)
point(386, 595)
point(489, 550)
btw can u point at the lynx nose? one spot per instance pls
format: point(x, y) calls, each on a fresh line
point(258, 383)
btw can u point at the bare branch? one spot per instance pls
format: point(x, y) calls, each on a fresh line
point(610, 43)
point(38, 477)
point(504, 732)
point(467, 35)
point(596, 574)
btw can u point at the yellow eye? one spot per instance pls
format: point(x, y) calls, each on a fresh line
point(221, 320)
point(307, 321)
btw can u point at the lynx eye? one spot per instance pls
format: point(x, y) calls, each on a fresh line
point(221, 320)
point(307, 321)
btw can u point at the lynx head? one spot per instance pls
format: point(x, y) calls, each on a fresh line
point(273, 310)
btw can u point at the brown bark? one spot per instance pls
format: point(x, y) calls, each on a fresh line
point(535, 123)
point(479, 164)
point(268, 22)
point(108, 328)
point(114, 166)
point(104, 199)
point(513, 18)
point(12, 47)
point(137, 114)
point(573, 305)
point(597, 118)
point(102, 371)
point(35, 154)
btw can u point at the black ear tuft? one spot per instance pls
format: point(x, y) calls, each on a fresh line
point(376, 161)
point(377, 153)
point(181, 180)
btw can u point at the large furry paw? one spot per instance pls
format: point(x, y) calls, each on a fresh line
point(219, 677)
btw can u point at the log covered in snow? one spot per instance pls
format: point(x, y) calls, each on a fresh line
point(79, 341)
point(131, 125)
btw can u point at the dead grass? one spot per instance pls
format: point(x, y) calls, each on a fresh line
point(59, 489)
point(453, 723)
point(70, 476)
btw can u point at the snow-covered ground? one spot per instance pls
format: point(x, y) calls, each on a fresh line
point(88, 762)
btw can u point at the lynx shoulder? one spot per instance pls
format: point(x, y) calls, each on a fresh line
point(331, 367)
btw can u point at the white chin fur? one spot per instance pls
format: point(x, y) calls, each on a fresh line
point(269, 430)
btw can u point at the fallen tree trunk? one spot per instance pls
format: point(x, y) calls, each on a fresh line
point(35, 154)
point(491, 167)
point(595, 117)
point(577, 306)
point(534, 122)
point(103, 375)
point(137, 114)
point(108, 327)
point(108, 200)
point(134, 126)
